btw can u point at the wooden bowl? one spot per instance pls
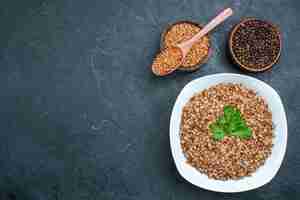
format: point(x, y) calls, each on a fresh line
point(237, 61)
point(163, 45)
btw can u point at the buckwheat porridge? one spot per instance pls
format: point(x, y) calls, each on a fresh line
point(226, 131)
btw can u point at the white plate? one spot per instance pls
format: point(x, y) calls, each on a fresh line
point(265, 173)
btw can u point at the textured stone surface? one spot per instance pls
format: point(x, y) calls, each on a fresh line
point(82, 117)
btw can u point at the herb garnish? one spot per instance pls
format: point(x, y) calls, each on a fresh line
point(231, 123)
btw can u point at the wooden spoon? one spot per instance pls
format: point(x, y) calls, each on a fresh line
point(187, 45)
point(161, 60)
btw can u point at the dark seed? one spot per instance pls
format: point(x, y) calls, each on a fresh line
point(256, 44)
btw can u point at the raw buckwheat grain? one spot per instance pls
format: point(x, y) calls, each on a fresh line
point(182, 32)
point(167, 61)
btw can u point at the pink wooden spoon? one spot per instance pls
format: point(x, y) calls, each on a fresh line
point(187, 45)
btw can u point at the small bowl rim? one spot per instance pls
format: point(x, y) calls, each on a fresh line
point(263, 174)
point(235, 58)
point(162, 44)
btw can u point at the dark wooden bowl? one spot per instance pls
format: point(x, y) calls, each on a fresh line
point(235, 59)
point(162, 45)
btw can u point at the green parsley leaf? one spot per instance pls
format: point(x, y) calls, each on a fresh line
point(231, 123)
point(218, 132)
point(244, 133)
point(221, 121)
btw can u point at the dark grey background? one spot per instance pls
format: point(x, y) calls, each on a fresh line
point(82, 117)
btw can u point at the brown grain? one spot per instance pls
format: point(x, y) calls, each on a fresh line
point(167, 61)
point(182, 32)
point(230, 158)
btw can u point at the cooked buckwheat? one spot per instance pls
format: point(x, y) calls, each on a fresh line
point(232, 157)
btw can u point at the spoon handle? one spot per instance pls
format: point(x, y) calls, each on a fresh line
point(208, 27)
